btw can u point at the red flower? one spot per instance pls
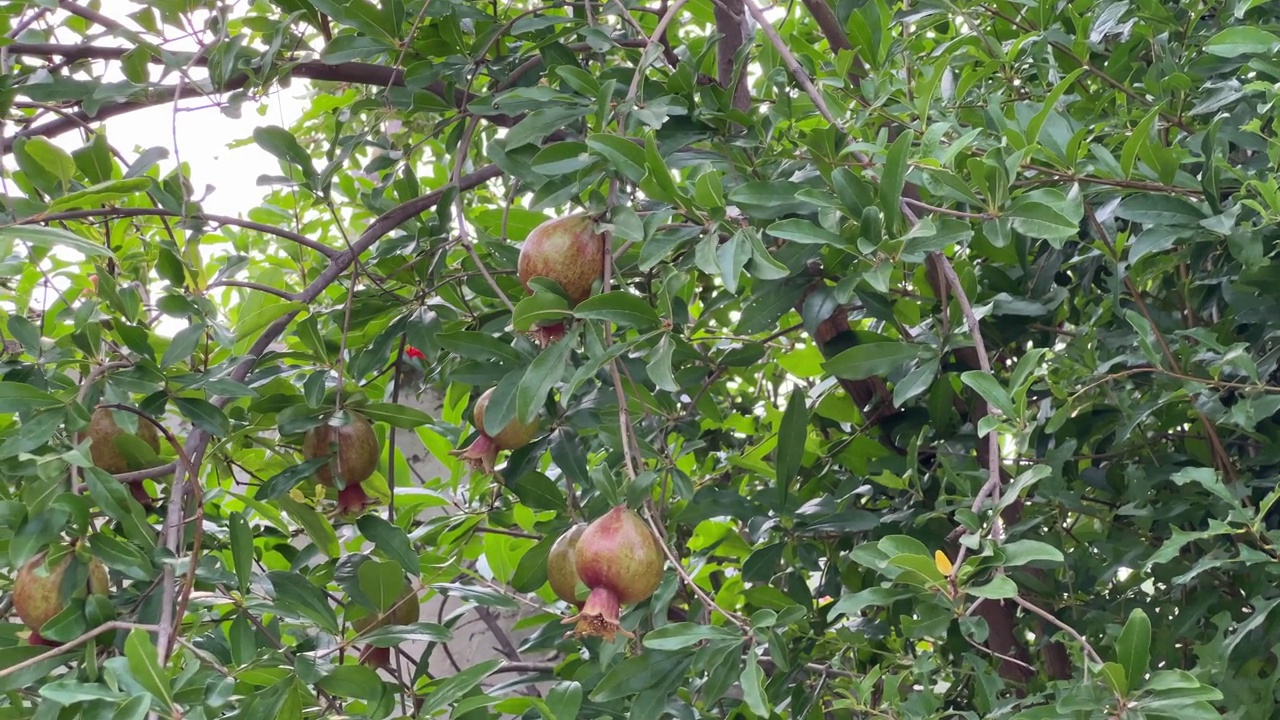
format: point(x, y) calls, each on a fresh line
point(414, 352)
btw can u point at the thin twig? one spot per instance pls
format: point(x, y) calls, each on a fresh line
point(284, 294)
point(73, 644)
point(992, 486)
point(1088, 649)
point(303, 240)
point(792, 64)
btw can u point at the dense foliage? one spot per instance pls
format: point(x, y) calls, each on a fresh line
point(937, 341)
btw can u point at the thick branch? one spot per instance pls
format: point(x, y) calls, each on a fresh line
point(731, 23)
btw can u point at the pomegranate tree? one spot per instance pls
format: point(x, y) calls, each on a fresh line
point(561, 570)
point(354, 451)
point(37, 591)
point(569, 251)
point(482, 453)
point(619, 560)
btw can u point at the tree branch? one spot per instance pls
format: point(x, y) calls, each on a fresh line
point(302, 240)
point(354, 73)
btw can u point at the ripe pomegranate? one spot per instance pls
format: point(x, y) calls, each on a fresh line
point(569, 251)
point(481, 454)
point(103, 431)
point(619, 560)
point(406, 611)
point(561, 572)
point(37, 591)
point(354, 448)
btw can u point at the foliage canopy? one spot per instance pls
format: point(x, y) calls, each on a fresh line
point(936, 339)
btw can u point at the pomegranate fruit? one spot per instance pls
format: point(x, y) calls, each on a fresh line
point(620, 562)
point(561, 570)
point(37, 591)
point(354, 448)
point(481, 453)
point(406, 611)
point(569, 251)
point(104, 453)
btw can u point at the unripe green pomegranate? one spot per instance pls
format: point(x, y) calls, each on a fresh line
point(482, 453)
point(406, 611)
point(354, 451)
point(561, 570)
point(37, 591)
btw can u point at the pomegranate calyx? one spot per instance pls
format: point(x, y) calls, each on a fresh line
point(599, 617)
point(480, 455)
point(545, 335)
point(352, 499)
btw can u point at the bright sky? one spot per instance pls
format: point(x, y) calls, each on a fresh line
point(202, 133)
point(202, 138)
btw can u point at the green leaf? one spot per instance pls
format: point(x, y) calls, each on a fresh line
point(478, 346)
point(991, 390)
point(263, 315)
point(875, 358)
point(752, 682)
point(291, 590)
point(100, 194)
point(531, 571)
point(29, 676)
point(118, 503)
point(48, 237)
point(769, 199)
point(1042, 221)
point(1021, 552)
point(70, 692)
point(396, 415)
point(280, 142)
point(394, 635)
point(560, 158)
point(1113, 675)
point(1242, 40)
point(94, 159)
point(478, 595)
point(1153, 210)
point(451, 689)
point(391, 541)
point(791, 439)
point(540, 308)
point(144, 665)
point(53, 159)
point(620, 307)
point(1000, 588)
point(804, 232)
point(659, 366)
point(894, 178)
point(204, 414)
point(621, 154)
point(318, 528)
point(1133, 647)
point(381, 582)
point(678, 636)
point(564, 700)
point(183, 345)
point(543, 373)
point(241, 549)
